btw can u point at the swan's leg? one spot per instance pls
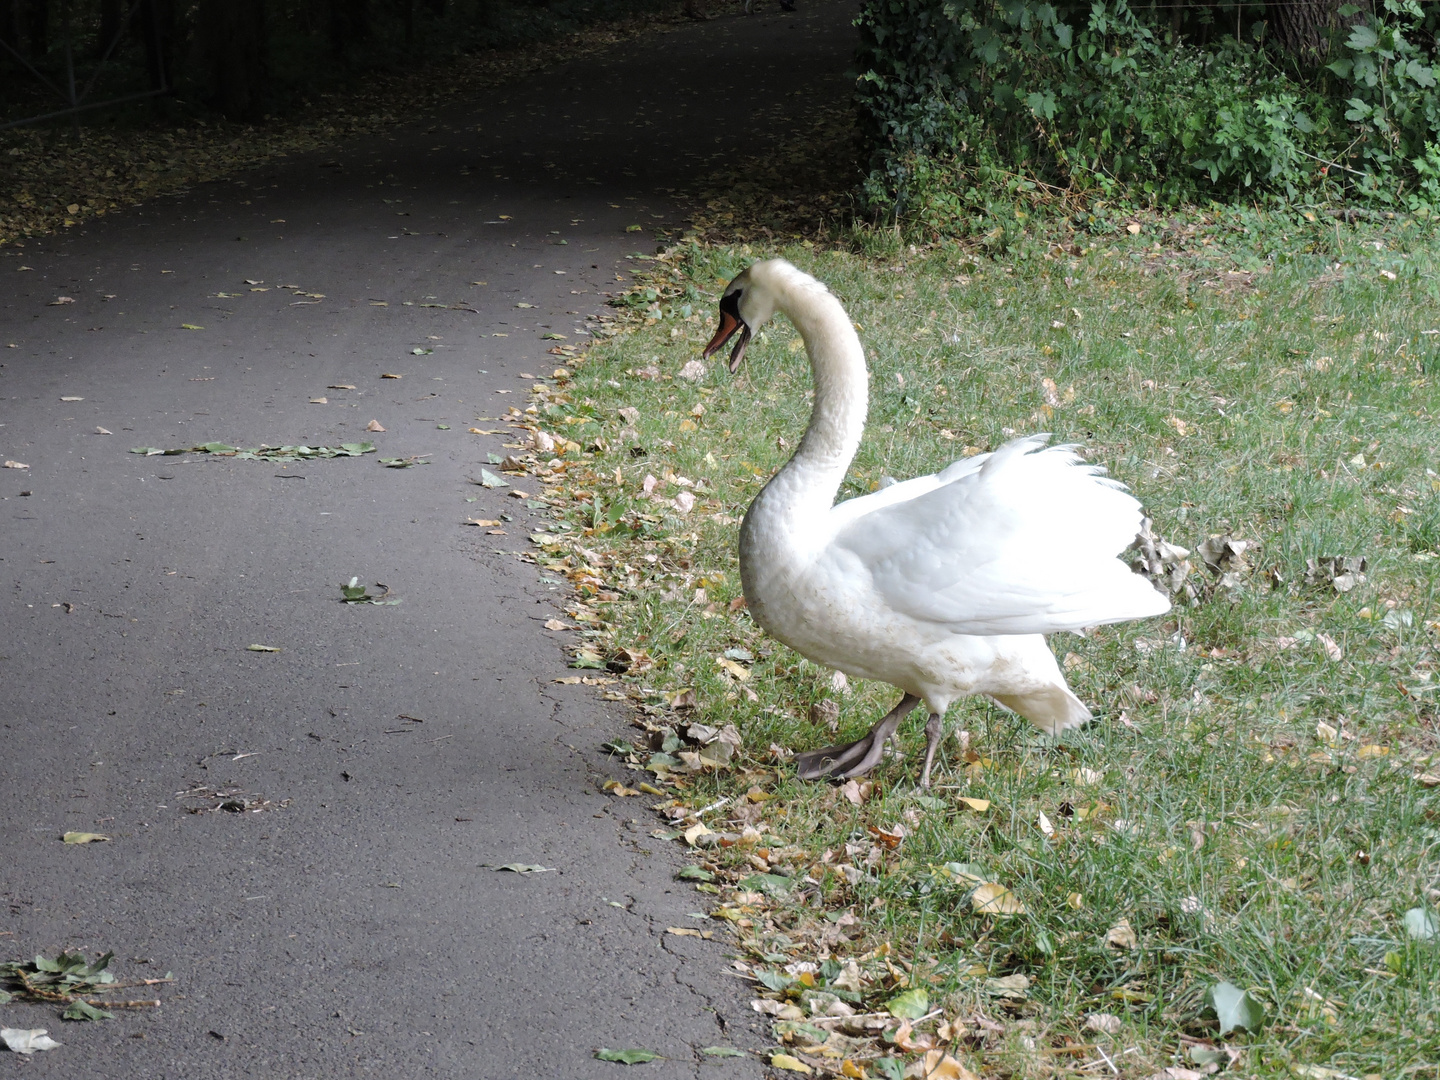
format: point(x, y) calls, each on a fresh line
point(856, 758)
point(934, 732)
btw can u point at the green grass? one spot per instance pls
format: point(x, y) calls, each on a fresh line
point(1249, 804)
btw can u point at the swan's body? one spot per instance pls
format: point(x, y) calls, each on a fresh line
point(943, 585)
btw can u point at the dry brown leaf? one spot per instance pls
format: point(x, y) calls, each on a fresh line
point(1122, 935)
point(374, 425)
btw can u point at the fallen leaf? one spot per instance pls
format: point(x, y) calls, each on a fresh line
point(778, 1061)
point(1105, 1023)
point(319, 401)
point(262, 648)
point(1421, 924)
point(340, 386)
point(1011, 987)
point(721, 1051)
point(993, 898)
point(190, 326)
point(490, 480)
point(695, 832)
point(83, 837)
point(556, 624)
point(387, 375)
point(1122, 935)
point(62, 300)
point(910, 1005)
point(683, 931)
point(1332, 650)
point(16, 465)
point(625, 1057)
point(526, 868)
point(72, 399)
point(27, 1040)
point(374, 425)
point(103, 431)
point(978, 805)
point(938, 1065)
point(1234, 1008)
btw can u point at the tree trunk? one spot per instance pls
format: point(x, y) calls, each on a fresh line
point(10, 23)
point(110, 13)
point(37, 28)
point(154, 24)
point(1302, 28)
point(230, 36)
point(349, 22)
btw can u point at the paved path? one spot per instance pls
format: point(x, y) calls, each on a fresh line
point(356, 931)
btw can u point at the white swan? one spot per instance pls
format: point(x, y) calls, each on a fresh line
point(942, 585)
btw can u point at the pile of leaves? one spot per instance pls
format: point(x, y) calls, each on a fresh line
point(72, 981)
point(265, 453)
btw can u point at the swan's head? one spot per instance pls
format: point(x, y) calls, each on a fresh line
point(747, 304)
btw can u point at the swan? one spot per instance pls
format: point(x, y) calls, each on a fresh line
point(942, 586)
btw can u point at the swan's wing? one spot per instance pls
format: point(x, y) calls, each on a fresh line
point(842, 514)
point(1024, 542)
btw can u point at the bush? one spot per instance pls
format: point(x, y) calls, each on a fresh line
point(969, 100)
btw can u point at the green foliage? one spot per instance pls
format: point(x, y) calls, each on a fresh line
point(970, 101)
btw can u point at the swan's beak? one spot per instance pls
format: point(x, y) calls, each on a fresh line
point(729, 324)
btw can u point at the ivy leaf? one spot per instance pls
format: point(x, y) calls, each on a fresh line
point(627, 1057)
point(1234, 1008)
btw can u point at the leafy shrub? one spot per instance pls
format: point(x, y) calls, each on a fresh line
point(969, 100)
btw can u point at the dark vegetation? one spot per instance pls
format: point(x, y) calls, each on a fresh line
point(247, 60)
point(968, 102)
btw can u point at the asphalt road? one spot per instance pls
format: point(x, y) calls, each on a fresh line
point(353, 924)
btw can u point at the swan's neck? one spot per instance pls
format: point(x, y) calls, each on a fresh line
point(807, 484)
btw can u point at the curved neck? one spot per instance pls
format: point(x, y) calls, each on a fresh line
point(808, 482)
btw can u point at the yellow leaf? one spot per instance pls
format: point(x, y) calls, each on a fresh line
point(683, 931)
point(938, 1065)
point(695, 832)
point(794, 1064)
point(849, 1069)
point(1370, 750)
point(978, 805)
point(993, 898)
point(82, 837)
point(738, 670)
point(1076, 900)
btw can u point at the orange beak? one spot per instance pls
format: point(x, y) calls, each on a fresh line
point(730, 322)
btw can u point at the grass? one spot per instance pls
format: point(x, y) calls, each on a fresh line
point(1255, 800)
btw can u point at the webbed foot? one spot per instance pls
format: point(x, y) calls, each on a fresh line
point(856, 758)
